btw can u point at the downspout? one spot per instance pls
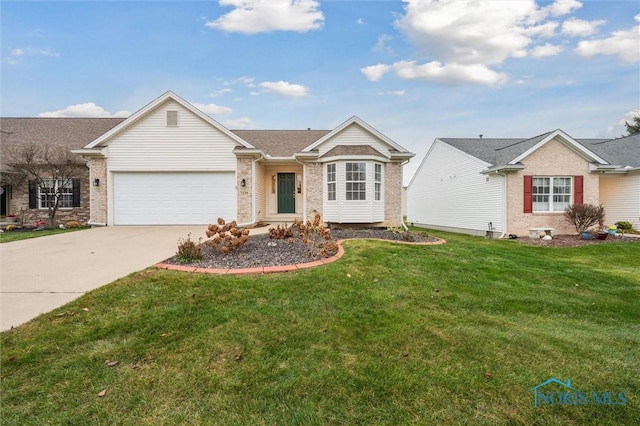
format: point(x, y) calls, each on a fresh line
point(504, 204)
point(404, 225)
point(304, 190)
point(253, 191)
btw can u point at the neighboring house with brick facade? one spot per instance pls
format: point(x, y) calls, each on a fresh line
point(171, 164)
point(20, 194)
point(509, 186)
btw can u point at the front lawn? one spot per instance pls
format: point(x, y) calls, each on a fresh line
point(25, 234)
point(389, 334)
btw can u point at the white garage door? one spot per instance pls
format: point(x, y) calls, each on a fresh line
point(173, 198)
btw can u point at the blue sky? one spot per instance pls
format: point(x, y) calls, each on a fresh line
point(415, 70)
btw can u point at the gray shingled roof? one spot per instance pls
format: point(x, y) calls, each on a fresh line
point(281, 143)
point(353, 150)
point(621, 152)
point(498, 152)
point(67, 133)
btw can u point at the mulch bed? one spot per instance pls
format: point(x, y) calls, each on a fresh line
point(262, 251)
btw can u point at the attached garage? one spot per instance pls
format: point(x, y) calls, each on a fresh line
point(173, 198)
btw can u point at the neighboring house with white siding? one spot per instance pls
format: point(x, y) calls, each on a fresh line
point(508, 186)
point(171, 164)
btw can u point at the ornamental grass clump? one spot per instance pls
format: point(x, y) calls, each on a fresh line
point(584, 216)
point(313, 234)
point(188, 250)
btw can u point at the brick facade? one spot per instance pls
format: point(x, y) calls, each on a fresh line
point(245, 199)
point(98, 170)
point(393, 194)
point(19, 204)
point(552, 159)
point(313, 174)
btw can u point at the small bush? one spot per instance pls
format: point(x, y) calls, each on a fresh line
point(72, 224)
point(624, 225)
point(188, 250)
point(11, 227)
point(584, 216)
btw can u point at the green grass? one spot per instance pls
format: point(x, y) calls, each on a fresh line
point(389, 334)
point(7, 237)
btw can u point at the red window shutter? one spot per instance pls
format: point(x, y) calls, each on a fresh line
point(528, 194)
point(578, 191)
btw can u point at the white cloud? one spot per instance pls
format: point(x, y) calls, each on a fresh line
point(381, 44)
point(360, 21)
point(239, 123)
point(622, 43)
point(449, 73)
point(256, 16)
point(579, 28)
point(563, 7)
point(284, 88)
point(220, 92)
point(618, 129)
point(213, 109)
point(88, 109)
point(466, 39)
point(393, 93)
point(546, 50)
point(17, 54)
point(375, 72)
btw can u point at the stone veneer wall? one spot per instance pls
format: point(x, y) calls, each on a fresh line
point(552, 159)
point(245, 200)
point(393, 194)
point(20, 200)
point(98, 170)
point(313, 173)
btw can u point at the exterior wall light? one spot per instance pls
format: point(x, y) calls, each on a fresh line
point(96, 182)
point(243, 183)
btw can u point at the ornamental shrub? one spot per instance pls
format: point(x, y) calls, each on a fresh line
point(584, 216)
point(188, 250)
point(624, 225)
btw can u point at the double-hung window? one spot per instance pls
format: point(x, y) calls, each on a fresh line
point(378, 181)
point(48, 190)
point(356, 181)
point(331, 182)
point(551, 194)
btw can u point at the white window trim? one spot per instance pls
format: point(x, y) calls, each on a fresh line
point(377, 183)
point(334, 182)
point(359, 182)
point(177, 118)
point(56, 184)
point(551, 193)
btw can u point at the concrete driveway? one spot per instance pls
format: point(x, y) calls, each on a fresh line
point(41, 274)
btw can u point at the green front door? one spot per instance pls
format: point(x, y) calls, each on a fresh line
point(286, 192)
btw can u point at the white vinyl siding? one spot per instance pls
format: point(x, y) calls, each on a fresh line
point(354, 135)
point(620, 196)
point(448, 191)
point(345, 210)
point(150, 145)
point(173, 198)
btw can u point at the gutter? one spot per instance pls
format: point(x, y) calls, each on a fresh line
point(504, 204)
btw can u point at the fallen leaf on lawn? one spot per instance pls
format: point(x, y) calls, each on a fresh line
point(348, 275)
point(85, 309)
point(487, 375)
point(238, 357)
point(102, 393)
point(112, 363)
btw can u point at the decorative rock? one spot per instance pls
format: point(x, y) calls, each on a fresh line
point(547, 238)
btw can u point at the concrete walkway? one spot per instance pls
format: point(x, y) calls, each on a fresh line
point(41, 274)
